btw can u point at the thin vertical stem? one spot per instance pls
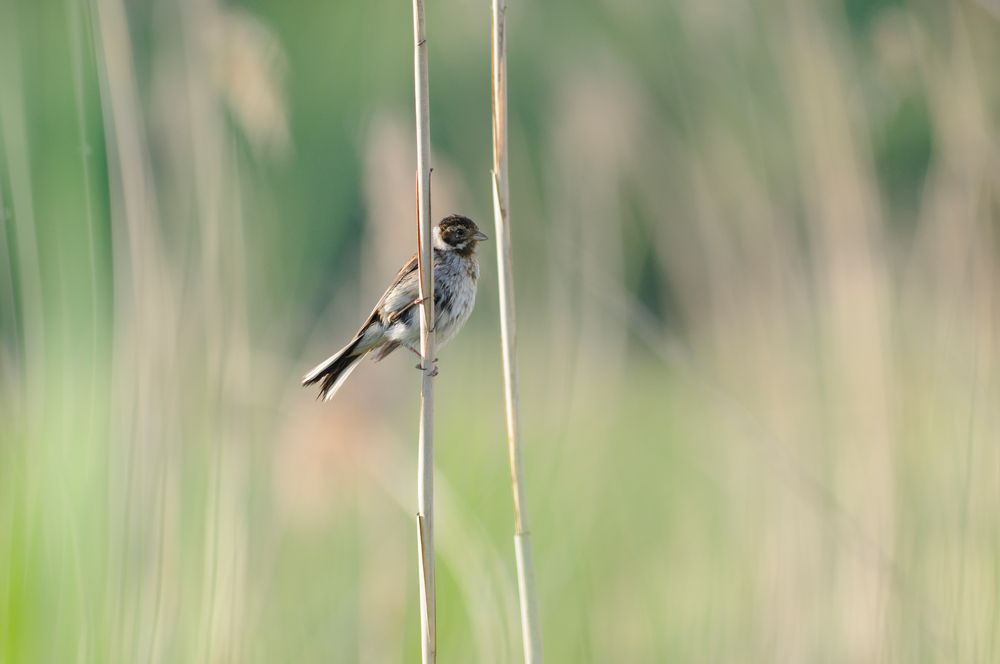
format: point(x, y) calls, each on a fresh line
point(425, 463)
point(530, 628)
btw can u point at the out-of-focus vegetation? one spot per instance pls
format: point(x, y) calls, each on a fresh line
point(757, 268)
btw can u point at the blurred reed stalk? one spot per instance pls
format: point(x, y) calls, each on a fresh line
point(425, 461)
point(530, 629)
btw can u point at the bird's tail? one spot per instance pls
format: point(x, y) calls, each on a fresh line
point(332, 372)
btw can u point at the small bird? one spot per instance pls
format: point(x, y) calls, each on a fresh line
point(395, 320)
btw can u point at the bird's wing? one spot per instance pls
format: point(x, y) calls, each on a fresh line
point(402, 293)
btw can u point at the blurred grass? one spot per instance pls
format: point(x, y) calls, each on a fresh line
point(756, 263)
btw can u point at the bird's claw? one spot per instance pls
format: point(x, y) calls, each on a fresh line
point(433, 369)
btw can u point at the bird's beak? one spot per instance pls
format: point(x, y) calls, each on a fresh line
point(480, 236)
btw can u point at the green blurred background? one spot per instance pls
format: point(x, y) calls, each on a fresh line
point(756, 259)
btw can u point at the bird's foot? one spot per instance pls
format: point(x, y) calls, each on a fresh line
point(433, 370)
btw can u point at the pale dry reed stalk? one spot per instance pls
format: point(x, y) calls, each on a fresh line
point(425, 461)
point(530, 629)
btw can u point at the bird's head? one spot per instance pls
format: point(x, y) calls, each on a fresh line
point(457, 233)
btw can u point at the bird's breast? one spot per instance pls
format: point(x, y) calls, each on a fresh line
point(455, 279)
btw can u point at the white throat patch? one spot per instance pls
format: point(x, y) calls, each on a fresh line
point(437, 241)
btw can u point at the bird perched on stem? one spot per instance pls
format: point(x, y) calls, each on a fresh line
point(395, 320)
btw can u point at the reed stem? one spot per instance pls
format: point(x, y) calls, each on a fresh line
point(425, 452)
point(530, 627)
